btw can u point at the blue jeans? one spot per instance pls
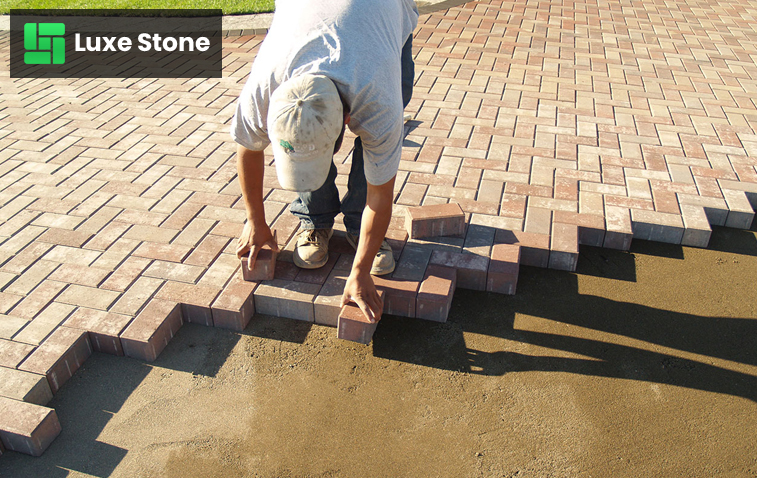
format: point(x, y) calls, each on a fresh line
point(317, 209)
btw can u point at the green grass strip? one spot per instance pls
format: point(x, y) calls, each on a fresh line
point(229, 7)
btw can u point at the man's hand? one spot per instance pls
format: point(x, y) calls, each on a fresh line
point(376, 215)
point(254, 237)
point(361, 290)
point(256, 233)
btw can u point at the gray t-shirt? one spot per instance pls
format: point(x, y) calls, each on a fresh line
point(358, 45)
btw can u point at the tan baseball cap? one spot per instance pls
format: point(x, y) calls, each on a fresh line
point(304, 121)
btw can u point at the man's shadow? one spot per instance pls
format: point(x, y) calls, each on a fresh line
point(553, 295)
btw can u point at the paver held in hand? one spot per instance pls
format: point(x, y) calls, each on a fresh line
point(354, 325)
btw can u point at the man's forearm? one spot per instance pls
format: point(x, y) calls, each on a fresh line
point(250, 169)
point(375, 222)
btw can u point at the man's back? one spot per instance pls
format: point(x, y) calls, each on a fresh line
point(355, 43)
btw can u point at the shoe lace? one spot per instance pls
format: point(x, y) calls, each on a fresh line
point(313, 236)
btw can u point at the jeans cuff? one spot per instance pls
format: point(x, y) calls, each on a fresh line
point(309, 225)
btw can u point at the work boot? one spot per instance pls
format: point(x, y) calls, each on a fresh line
point(312, 248)
point(383, 263)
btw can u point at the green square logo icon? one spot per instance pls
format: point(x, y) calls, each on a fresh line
point(44, 43)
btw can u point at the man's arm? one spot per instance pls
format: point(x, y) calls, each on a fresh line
point(256, 233)
point(376, 216)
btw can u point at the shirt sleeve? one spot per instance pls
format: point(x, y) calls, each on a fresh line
point(381, 156)
point(248, 126)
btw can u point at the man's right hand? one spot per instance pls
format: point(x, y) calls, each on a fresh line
point(254, 237)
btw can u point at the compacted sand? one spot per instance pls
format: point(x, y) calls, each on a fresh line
point(640, 364)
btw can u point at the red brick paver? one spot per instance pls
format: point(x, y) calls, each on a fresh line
point(551, 124)
point(353, 325)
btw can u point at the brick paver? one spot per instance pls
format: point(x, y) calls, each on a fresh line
point(551, 124)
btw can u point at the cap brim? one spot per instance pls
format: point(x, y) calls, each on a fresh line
point(302, 174)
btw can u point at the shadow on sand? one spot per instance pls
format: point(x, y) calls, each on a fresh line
point(554, 296)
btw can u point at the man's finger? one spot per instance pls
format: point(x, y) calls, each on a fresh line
point(242, 248)
point(274, 242)
point(367, 310)
point(375, 306)
point(242, 251)
point(253, 257)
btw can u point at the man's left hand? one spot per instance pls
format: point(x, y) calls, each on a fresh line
point(361, 290)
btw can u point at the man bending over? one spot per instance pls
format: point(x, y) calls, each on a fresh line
point(324, 65)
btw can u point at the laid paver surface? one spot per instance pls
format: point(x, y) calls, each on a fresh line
point(550, 123)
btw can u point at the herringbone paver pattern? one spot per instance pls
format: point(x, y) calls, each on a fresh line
point(552, 123)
